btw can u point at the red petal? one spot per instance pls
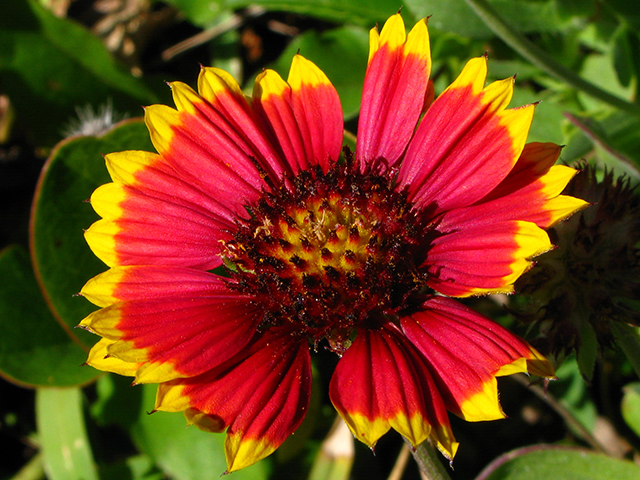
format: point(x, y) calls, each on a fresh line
point(302, 115)
point(177, 336)
point(151, 216)
point(395, 89)
point(207, 149)
point(466, 143)
point(213, 140)
point(145, 282)
point(531, 192)
point(485, 259)
point(382, 382)
point(261, 395)
point(465, 352)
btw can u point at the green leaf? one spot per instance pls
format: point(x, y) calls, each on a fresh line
point(202, 13)
point(587, 350)
point(571, 390)
point(617, 137)
point(62, 435)
point(50, 66)
point(598, 69)
point(341, 53)
point(622, 56)
point(359, 12)
point(62, 258)
point(117, 402)
point(557, 463)
point(35, 350)
point(631, 406)
point(575, 8)
point(139, 467)
point(458, 17)
point(499, 69)
point(547, 120)
point(184, 453)
point(627, 10)
point(627, 338)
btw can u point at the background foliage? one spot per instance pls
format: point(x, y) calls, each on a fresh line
point(69, 70)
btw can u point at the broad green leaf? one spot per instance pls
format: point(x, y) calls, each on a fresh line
point(557, 463)
point(35, 350)
point(342, 55)
point(631, 406)
point(184, 453)
point(50, 66)
point(60, 213)
point(63, 436)
point(456, 16)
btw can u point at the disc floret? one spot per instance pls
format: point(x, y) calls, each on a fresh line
point(330, 252)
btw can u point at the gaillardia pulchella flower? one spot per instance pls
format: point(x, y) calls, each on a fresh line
point(359, 255)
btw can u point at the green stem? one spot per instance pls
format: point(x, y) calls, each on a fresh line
point(628, 340)
point(429, 463)
point(541, 59)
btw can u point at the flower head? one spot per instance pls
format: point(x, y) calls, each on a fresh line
point(576, 290)
point(359, 255)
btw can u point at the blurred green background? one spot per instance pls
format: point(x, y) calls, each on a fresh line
point(72, 69)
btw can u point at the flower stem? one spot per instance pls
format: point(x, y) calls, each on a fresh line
point(628, 340)
point(428, 460)
point(541, 59)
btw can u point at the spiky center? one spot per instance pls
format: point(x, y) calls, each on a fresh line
point(329, 253)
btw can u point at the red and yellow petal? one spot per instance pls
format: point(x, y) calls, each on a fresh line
point(173, 337)
point(145, 282)
point(465, 351)
point(396, 88)
point(213, 140)
point(381, 382)
point(100, 358)
point(485, 259)
point(203, 147)
point(531, 192)
point(149, 173)
point(261, 396)
point(303, 116)
point(151, 216)
point(467, 142)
